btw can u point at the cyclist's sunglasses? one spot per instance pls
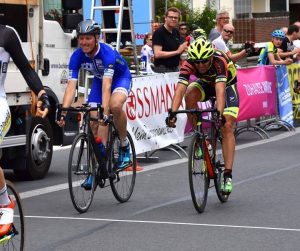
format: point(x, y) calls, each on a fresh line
point(202, 61)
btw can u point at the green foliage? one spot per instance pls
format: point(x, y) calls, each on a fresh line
point(205, 19)
point(160, 9)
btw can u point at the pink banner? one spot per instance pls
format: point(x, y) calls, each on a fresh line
point(257, 91)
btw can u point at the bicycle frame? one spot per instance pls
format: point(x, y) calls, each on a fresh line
point(86, 128)
point(214, 122)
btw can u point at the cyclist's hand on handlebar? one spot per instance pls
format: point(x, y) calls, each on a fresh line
point(171, 120)
point(42, 106)
point(104, 120)
point(61, 122)
point(221, 119)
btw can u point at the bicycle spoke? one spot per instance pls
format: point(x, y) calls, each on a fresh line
point(80, 168)
point(198, 177)
point(122, 186)
point(15, 239)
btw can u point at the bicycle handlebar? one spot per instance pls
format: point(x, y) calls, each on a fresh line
point(193, 111)
point(85, 108)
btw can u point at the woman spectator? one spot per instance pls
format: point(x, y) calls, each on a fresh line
point(147, 54)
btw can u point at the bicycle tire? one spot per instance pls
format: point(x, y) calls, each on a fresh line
point(123, 184)
point(198, 175)
point(81, 164)
point(16, 242)
point(218, 168)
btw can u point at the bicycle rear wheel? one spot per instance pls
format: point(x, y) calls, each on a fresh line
point(15, 239)
point(198, 176)
point(81, 165)
point(219, 169)
point(122, 186)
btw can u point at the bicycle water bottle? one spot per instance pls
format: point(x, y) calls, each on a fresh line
point(101, 146)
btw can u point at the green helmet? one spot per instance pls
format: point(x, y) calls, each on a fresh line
point(200, 49)
point(199, 33)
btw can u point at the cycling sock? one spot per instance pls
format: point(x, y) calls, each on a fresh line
point(4, 199)
point(227, 173)
point(124, 142)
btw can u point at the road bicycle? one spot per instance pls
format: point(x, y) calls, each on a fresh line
point(86, 160)
point(14, 240)
point(205, 160)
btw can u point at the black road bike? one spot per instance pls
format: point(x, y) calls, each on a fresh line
point(86, 160)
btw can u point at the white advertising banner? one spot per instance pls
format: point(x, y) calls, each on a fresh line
point(147, 108)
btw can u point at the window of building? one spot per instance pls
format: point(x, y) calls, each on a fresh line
point(277, 5)
point(242, 8)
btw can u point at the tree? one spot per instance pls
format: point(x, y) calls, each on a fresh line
point(160, 9)
point(204, 19)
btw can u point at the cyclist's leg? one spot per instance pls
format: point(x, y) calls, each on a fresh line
point(194, 93)
point(228, 139)
point(6, 205)
point(95, 97)
point(120, 90)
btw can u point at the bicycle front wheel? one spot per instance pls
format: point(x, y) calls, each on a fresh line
point(219, 171)
point(81, 167)
point(198, 176)
point(123, 184)
point(15, 239)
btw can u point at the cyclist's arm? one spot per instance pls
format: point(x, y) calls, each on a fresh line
point(106, 93)
point(220, 96)
point(178, 96)
point(276, 60)
point(69, 93)
point(13, 47)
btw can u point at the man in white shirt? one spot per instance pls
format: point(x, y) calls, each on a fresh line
point(221, 43)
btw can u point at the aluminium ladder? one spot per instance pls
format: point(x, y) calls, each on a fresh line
point(120, 8)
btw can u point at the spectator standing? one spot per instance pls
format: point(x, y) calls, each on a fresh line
point(110, 22)
point(297, 41)
point(147, 53)
point(287, 48)
point(183, 32)
point(222, 18)
point(221, 43)
point(269, 54)
point(166, 43)
point(154, 26)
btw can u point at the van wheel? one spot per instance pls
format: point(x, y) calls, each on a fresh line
point(40, 150)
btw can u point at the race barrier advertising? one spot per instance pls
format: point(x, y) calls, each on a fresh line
point(147, 108)
point(257, 92)
point(285, 105)
point(293, 71)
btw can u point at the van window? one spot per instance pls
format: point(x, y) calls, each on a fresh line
point(53, 10)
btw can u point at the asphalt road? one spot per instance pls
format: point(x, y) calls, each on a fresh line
point(262, 212)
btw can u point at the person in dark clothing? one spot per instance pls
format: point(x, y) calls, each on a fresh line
point(166, 43)
point(110, 22)
point(10, 47)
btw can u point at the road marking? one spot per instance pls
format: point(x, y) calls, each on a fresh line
point(164, 222)
point(59, 187)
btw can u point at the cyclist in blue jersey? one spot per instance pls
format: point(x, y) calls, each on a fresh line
point(269, 54)
point(110, 87)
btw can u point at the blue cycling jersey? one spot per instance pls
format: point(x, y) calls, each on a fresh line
point(107, 62)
